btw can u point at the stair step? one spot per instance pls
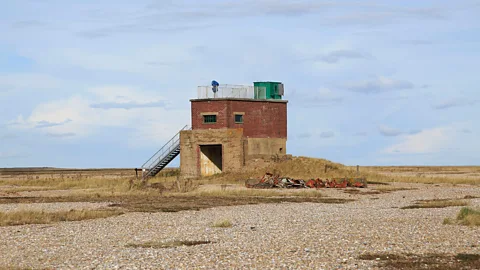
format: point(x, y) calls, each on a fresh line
point(164, 159)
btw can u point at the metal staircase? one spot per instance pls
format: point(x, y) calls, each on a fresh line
point(163, 156)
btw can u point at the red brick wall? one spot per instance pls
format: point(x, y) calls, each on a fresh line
point(261, 119)
point(199, 107)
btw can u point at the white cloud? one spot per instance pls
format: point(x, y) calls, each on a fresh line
point(304, 135)
point(313, 135)
point(27, 81)
point(8, 136)
point(75, 116)
point(327, 134)
point(321, 97)
point(124, 94)
point(124, 58)
point(427, 141)
point(454, 102)
point(61, 135)
point(335, 56)
point(389, 132)
point(379, 85)
point(360, 133)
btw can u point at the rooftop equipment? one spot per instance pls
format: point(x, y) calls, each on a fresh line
point(268, 90)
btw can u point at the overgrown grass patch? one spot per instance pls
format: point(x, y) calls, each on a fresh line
point(469, 216)
point(169, 244)
point(147, 202)
point(309, 193)
point(466, 216)
point(388, 189)
point(467, 257)
point(436, 204)
point(377, 183)
point(222, 224)
point(423, 174)
point(424, 261)
point(181, 203)
point(358, 192)
point(40, 217)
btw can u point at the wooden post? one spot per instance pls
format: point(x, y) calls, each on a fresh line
point(358, 170)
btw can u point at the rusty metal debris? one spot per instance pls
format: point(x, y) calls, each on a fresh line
point(275, 181)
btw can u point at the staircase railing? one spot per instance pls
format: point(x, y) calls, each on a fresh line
point(152, 162)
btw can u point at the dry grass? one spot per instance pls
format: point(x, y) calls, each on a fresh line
point(38, 217)
point(425, 261)
point(306, 168)
point(281, 193)
point(70, 183)
point(108, 181)
point(469, 216)
point(424, 174)
point(13, 268)
point(86, 185)
point(172, 203)
point(168, 192)
point(170, 244)
point(180, 202)
point(297, 167)
point(442, 203)
point(466, 216)
point(430, 169)
point(388, 189)
point(117, 180)
point(222, 224)
point(358, 192)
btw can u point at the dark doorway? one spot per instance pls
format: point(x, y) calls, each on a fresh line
point(211, 160)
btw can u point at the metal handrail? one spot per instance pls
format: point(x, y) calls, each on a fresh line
point(165, 150)
point(226, 91)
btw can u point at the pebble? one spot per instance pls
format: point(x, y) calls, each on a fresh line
point(263, 236)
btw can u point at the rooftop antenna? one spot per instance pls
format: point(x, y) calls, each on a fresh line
point(215, 85)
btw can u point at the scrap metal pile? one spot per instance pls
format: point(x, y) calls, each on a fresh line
point(275, 181)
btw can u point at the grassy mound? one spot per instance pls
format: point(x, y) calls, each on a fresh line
point(296, 167)
point(466, 216)
point(469, 216)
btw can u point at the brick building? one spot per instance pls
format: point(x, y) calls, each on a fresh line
point(234, 126)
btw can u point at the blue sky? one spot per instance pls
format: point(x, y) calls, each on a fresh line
point(107, 83)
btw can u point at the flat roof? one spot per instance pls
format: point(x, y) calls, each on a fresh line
point(240, 99)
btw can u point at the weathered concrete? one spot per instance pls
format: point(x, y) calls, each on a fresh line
point(191, 141)
point(265, 147)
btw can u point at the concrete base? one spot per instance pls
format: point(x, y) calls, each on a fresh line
point(191, 143)
point(205, 152)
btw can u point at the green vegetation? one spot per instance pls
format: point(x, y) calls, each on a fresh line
point(469, 216)
point(466, 216)
point(222, 224)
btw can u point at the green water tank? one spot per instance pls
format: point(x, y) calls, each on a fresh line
point(268, 90)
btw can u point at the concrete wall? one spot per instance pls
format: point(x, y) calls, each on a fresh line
point(265, 147)
point(261, 118)
point(190, 154)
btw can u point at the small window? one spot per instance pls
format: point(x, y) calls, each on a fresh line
point(239, 118)
point(209, 119)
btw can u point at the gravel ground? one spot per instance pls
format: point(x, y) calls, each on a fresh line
point(287, 235)
point(52, 207)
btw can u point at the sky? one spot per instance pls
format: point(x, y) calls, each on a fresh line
point(95, 84)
